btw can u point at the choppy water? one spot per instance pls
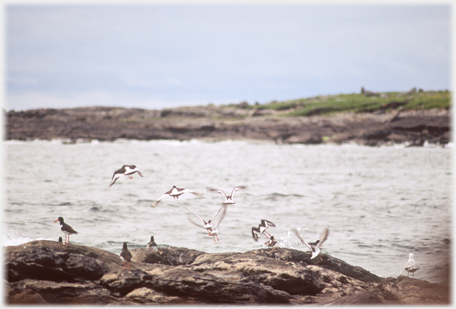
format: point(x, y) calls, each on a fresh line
point(379, 204)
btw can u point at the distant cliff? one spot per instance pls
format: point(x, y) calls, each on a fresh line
point(48, 272)
point(230, 122)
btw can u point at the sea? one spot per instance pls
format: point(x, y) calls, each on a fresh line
point(379, 203)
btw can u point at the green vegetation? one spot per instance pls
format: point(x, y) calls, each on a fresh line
point(359, 103)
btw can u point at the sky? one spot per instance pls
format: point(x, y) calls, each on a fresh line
point(155, 55)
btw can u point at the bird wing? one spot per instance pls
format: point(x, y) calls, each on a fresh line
point(192, 192)
point(204, 222)
point(255, 233)
point(295, 231)
point(221, 216)
point(323, 236)
point(237, 188)
point(195, 223)
point(267, 223)
point(154, 204)
point(115, 176)
point(217, 190)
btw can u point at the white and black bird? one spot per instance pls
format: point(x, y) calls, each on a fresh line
point(212, 225)
point(66, 229)
point(126, 256)
point(152, 244)
point(315, 248)
point(411, 266)
point(175, 192)
point(228, 198)
point(125, 170)
point(271, 242)
point(262, 229)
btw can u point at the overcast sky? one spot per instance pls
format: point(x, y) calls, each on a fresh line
point(157, 56)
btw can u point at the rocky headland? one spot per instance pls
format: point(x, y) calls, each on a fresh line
point(383, 126)
point(48, 272)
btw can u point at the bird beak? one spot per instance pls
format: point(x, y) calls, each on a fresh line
point(55, 221)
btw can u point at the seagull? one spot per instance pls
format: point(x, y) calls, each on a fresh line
point(411, 266)
point(125, 254)
point(210, 226)
point(261, 229)
point(228, 199)
point(127, 170)
point(152, 243)
point(66, 229)
point(175, 192)
point(271, 242)
point(315, 249)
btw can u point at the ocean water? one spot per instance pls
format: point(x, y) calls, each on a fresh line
point(379, 203)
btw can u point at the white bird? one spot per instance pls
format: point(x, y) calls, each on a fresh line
point(411, 266)
point(315, 249)
point(211, 226)
point(228, 199)
point(127, 170)
point(175, 192)
point(261, 229)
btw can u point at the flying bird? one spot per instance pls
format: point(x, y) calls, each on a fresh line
point(66, 229)
point(411, 266)
point(152, 243)
point(228, 199)
point(261, 229)
point(127, 170)
point(175, 192)
point(315, 247)
point(211, 226)
point(125, 254)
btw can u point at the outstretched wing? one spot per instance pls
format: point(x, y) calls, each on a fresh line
point(193, 192)
point(295, 231)
point(237, 188)
point(255, 232)
point(323, 236)
point(267, 223)
point(154, 204)
point(115, 176)
point(220, 217)
point(202, 220)
point(217, 190)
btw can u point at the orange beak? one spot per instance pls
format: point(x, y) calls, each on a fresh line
point(55, 221)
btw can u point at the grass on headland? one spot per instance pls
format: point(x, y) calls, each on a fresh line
point(359, 103)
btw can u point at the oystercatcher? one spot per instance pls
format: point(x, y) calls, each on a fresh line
point(411, 266)
point(66, 229)
point(152, 243)
point(127, 170)
point(175, 192)
point(228, 199)
point(125, 254)
point(261, 229)
point(211, 226)
point(314, 249)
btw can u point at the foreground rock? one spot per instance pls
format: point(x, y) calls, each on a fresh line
point(47, 272)
point(229, 122)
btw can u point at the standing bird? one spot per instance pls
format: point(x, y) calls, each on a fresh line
point(271, 242)
point(60, 239)
point(315, 247)
point(152, 243)
point(127, 170)
point(228, 199)
point(211, 226)
point(261, 229)
point(125, 254)
point(66, 229)
point(175, 192)
point(411, 266)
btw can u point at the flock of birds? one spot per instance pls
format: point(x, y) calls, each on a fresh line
point(211, 226)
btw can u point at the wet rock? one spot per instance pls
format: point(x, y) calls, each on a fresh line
point(47, 272)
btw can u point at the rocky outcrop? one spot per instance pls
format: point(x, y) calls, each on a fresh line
point(229, 122)
point(47, 272)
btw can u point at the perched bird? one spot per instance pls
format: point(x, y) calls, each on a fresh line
point(152, 243)
point(271, 242)
point(228, 199)
point(127, 170)
point(317, 245)
point(125, 254)
point(66, 229)
point(411, 266)
point(175, 192)
point(211, 226)
point(60, 239)
point(261, 229)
